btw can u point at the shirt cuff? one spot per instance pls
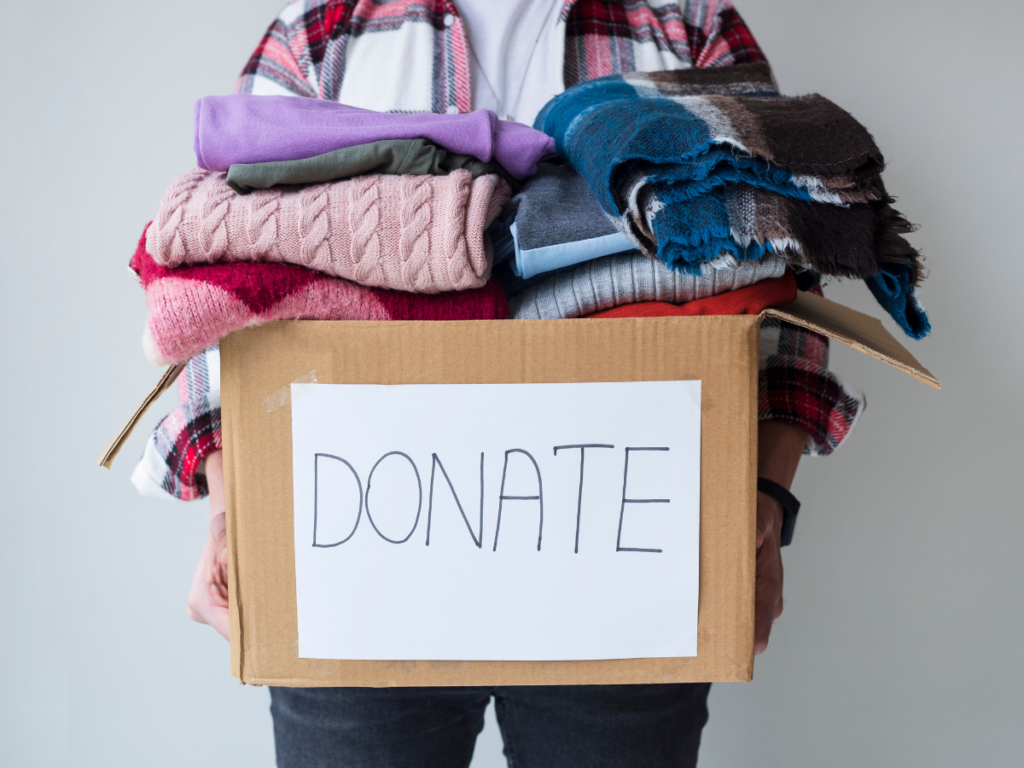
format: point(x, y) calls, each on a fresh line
point(795, 391)
point(173, 461)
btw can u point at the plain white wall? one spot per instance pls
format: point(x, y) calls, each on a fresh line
point(899, 644)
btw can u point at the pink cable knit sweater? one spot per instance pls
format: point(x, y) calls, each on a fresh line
point(423, 234)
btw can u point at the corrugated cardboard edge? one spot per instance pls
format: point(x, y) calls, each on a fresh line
point(230, 490)
point(169, 376)
point(854, 329)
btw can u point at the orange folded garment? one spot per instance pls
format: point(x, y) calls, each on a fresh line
point(750, 300)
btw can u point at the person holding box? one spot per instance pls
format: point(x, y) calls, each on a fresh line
point(510, 56)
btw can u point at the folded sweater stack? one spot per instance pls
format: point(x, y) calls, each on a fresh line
point(325, 191)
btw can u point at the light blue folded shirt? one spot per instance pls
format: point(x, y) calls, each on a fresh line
point(555, 222)
point(536, 261)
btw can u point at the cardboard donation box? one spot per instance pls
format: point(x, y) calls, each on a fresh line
point(498, 502)
point(542, 502)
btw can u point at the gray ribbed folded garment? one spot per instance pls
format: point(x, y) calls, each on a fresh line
point(627, 278)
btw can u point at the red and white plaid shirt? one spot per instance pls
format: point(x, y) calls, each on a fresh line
point(413, 56)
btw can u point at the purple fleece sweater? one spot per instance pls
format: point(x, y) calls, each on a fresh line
point(242, 128)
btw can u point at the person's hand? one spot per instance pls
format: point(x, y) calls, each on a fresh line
point(768, 578)
point(208, 596)
point(779, 447)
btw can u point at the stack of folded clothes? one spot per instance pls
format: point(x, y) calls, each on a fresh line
point(704, 170)
point(560, 256)
point(691, 192)
point(306, 209)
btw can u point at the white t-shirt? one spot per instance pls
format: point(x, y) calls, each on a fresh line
point(512, 55)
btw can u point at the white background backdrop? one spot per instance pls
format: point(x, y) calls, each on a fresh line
point(900, 640)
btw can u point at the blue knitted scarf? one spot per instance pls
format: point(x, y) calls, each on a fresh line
point(700, 165)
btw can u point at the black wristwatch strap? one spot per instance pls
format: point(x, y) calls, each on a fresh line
point(789, 503)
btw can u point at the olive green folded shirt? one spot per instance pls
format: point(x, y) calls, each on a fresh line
point(393, 156)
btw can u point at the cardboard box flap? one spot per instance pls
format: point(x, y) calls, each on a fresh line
point(855, 329)
point(169, 376)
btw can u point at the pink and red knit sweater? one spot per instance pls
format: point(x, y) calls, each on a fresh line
point(193, 307)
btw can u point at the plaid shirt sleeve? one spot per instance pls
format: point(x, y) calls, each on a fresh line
point(175, 454)
point(796, 387)
point(718, 36)
point(282, 64)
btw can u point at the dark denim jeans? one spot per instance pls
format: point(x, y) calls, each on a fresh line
point(605, 726)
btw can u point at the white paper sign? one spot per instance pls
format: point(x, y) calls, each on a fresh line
point(497, 521)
